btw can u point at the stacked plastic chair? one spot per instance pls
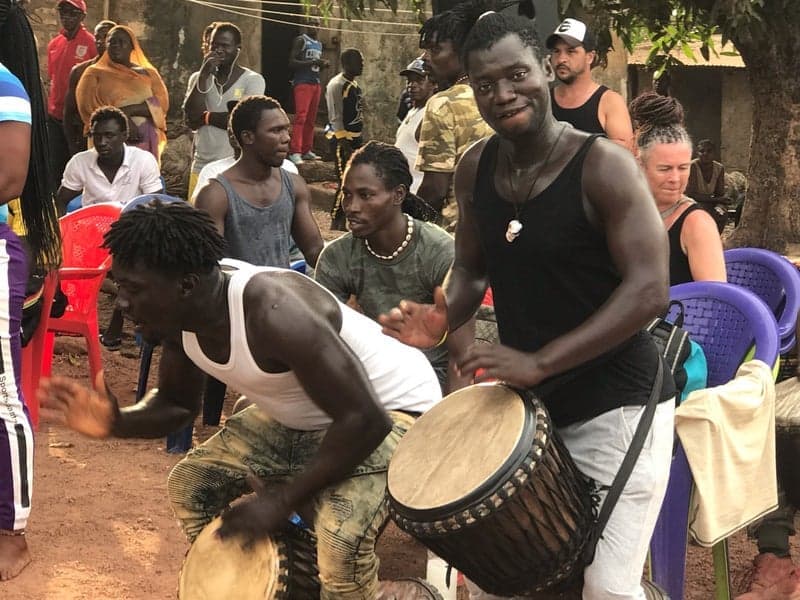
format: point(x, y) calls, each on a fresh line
point(33, 352)
point(84, 266)
point(726, 320)
point(773, 279)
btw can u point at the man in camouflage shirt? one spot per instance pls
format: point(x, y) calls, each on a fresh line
point(452, 122)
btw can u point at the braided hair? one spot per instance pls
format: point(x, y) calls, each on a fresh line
point(391, 166)
point(173, 239)
point(657, 119)
point(18, 53)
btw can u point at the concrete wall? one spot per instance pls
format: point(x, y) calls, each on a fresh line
point(719, 106)
point(169, 33)
point(385, 56)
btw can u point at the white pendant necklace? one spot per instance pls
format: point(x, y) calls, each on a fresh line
point(515, 225)
point(403, 245)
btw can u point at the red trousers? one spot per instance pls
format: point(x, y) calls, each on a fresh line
point(306, 103)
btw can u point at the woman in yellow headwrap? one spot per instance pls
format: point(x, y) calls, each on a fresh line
point(124, 78)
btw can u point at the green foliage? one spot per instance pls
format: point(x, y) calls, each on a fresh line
point(673, 25)
point(358, 9)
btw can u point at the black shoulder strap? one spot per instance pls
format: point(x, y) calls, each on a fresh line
point(626, 468)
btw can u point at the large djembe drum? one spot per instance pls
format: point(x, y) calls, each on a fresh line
point(484, 482)
point(279, 568)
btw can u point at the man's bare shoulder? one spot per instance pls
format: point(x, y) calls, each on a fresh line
point(276, 299)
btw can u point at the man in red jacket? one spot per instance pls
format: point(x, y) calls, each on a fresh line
point(73, 45)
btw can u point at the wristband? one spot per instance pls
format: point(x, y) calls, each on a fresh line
point(442, 341)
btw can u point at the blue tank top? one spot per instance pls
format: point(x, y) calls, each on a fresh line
point(312, 50)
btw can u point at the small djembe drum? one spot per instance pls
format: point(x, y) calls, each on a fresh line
point(279, 568)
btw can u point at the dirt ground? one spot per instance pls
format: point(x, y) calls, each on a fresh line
point(101, 528)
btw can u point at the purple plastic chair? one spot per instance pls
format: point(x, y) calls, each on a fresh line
point(773, 279)
point(726, 320)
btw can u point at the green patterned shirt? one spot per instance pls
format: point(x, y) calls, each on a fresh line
point(451, 124)
point(346, 268)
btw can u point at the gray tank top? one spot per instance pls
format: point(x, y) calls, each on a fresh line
point(259, 235)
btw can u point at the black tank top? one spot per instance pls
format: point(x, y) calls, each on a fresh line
point(585, 116)
point(552, 278)
point(679, 271)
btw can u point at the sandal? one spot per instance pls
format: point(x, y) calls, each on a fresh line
point(112, 344)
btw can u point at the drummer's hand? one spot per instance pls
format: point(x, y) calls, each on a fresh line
point(257, 516)
point(90, 412)
point(521, 369)
point(418, 325)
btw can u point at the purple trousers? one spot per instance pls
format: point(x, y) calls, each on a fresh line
point(16, 434)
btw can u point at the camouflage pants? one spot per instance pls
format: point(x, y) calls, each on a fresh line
point(349, 515)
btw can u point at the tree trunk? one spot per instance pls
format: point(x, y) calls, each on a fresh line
point(771, 215)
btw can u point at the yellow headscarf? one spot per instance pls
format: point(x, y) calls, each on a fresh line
point(107, 83)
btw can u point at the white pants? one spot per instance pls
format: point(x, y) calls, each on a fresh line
point(598, 446)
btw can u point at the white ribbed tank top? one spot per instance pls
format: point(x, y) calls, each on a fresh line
point(401, 375)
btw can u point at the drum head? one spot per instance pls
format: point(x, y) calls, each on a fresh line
point(216, 569)
point(458, 447)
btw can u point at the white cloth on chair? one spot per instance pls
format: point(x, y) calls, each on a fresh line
point(728, 433)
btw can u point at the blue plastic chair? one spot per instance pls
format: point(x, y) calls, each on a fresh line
point(773, 279)
point(726, 320)
point(75, 204)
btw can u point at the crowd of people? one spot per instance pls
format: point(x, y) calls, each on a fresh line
point(515, 179)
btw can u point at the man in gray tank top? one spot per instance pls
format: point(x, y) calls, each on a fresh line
point(256, 205)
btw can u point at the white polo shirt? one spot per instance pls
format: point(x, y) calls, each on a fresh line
point(138, 174)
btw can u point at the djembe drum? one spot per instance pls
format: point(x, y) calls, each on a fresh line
point(279, 568)
point(483, 481)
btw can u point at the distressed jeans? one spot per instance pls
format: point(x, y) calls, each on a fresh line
point(349, 515)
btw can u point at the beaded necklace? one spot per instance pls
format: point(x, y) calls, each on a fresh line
point(403, 245)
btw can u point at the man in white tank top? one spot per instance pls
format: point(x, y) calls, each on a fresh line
point(332, 395)
point(420, 87)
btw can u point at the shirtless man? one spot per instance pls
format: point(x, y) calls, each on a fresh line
point(578, 99)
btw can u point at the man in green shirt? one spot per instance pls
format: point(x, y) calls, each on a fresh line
point(388, 255)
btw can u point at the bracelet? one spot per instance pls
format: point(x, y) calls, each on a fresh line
point(206, 117)
point(6, 533)
point(442, 341)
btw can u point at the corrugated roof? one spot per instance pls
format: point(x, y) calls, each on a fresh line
point(639, 55)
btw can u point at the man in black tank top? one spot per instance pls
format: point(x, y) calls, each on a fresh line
point(564, 229)
point(578, 99)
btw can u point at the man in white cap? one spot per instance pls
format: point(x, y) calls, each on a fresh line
point(420, 87)
point(578, 99)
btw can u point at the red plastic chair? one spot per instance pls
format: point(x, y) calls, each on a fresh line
point(32, 353)
point(85, 264)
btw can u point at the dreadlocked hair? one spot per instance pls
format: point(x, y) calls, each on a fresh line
point(391, 166)
point(487, 27)
point(388, 161)
point(453, 25)
point(658, 119)
point(18, 53)
point(170, 238)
